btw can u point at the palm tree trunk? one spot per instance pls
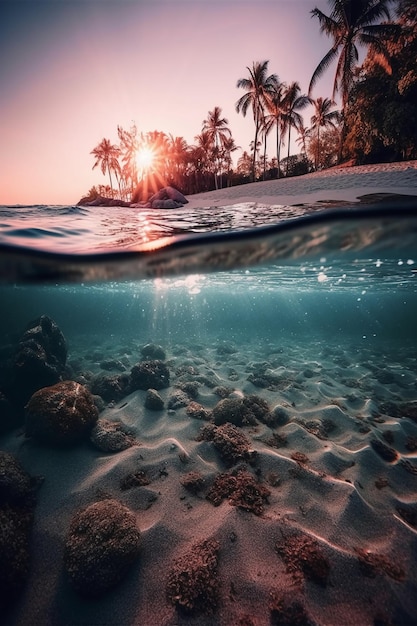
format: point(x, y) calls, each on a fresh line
point(278, 151)
point(318, 147)
point(288, 156)
point(111, 183)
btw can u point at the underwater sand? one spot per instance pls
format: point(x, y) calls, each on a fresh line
point(326, 483)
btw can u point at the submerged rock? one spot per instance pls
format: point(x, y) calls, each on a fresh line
point(40, 359)
point(153, 400)
point(17, 503)
point(242, 411)
point(193, 582)
point(61, 415)
point(153, 351)
point(111, 436)
point(111, 388)
point(152, 374)
point(230, 441)
point(102, 544)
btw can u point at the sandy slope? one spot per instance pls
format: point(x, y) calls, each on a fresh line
point(333, 184)
point(341, 495)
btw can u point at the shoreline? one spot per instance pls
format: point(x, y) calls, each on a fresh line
point(338, 184)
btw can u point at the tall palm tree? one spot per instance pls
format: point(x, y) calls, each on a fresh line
point(107, 156)
point(258, 87)
point(351, 23)
point(217, 129)
point(323, 117)
point(274, 106)
point(293, 102)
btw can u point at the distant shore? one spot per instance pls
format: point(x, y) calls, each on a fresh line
point(337, 183)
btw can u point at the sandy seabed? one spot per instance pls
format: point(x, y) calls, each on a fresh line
point(303, 514)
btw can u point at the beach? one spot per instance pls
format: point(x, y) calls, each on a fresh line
point(264, 479)
point(345, 184)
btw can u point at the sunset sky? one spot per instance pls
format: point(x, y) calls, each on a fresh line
point(72, 70)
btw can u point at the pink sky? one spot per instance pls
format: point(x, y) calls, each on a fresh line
point(73, 70)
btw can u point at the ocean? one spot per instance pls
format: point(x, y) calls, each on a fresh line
point(307, 312)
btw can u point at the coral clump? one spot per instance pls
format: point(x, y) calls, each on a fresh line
point(111, 436)
point(136, 479)
point(152, 374)
point(197, 411)
point(102, 544)
point(242, 411)
point(242, 490)
point(303, 557)
point(61, 415)
point(232, 443)
point(192, 582)
point(193, 482)
point(17, 502)
point(111, 388)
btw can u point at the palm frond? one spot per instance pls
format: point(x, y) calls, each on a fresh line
point(322, 67)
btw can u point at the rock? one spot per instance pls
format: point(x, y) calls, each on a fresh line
point(61, 415)
point(169, 193)
point(153, 351)
point(193, 581)
point(111, 436)
point(17, 503)
point(102, 201)
point(242, 411)
point(152, 374)
point(153, 400)
point(40, 359)
point(178, 399)
point(102, 544)
point(230, 441)
point(111, 388)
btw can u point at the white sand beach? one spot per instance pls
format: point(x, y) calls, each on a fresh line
point(338, 183)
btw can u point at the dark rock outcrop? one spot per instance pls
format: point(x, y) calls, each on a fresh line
point(39, 360)
point(149, 375)
point(17, 503)
point(61, 415)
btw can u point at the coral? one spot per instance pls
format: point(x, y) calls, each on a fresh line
point(303, 557)
point(189, 387)
point(153, 351)
point(232, 443)
point(111, 436)
point(192, 582)
point(242, 411)
point(276, 440)
point(102, 544)
point(152, 374)
point(111, 388)
point(178, 399)
point(242, 490)
point(63, 414)
point(153, 400)
point(197, 411)
point(193, 482)
point(300, 458)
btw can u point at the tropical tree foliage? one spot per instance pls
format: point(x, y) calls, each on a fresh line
point(259, 87)
point(107, 157)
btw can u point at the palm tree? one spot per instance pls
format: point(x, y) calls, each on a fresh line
point(258, 87)
point(274, 105)
point(291, 104)
point(216, 128)
point(107, 156)
point(323, 118)
point(229, 146)
point(351, 23)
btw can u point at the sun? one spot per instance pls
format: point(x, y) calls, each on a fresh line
point(144, 158)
